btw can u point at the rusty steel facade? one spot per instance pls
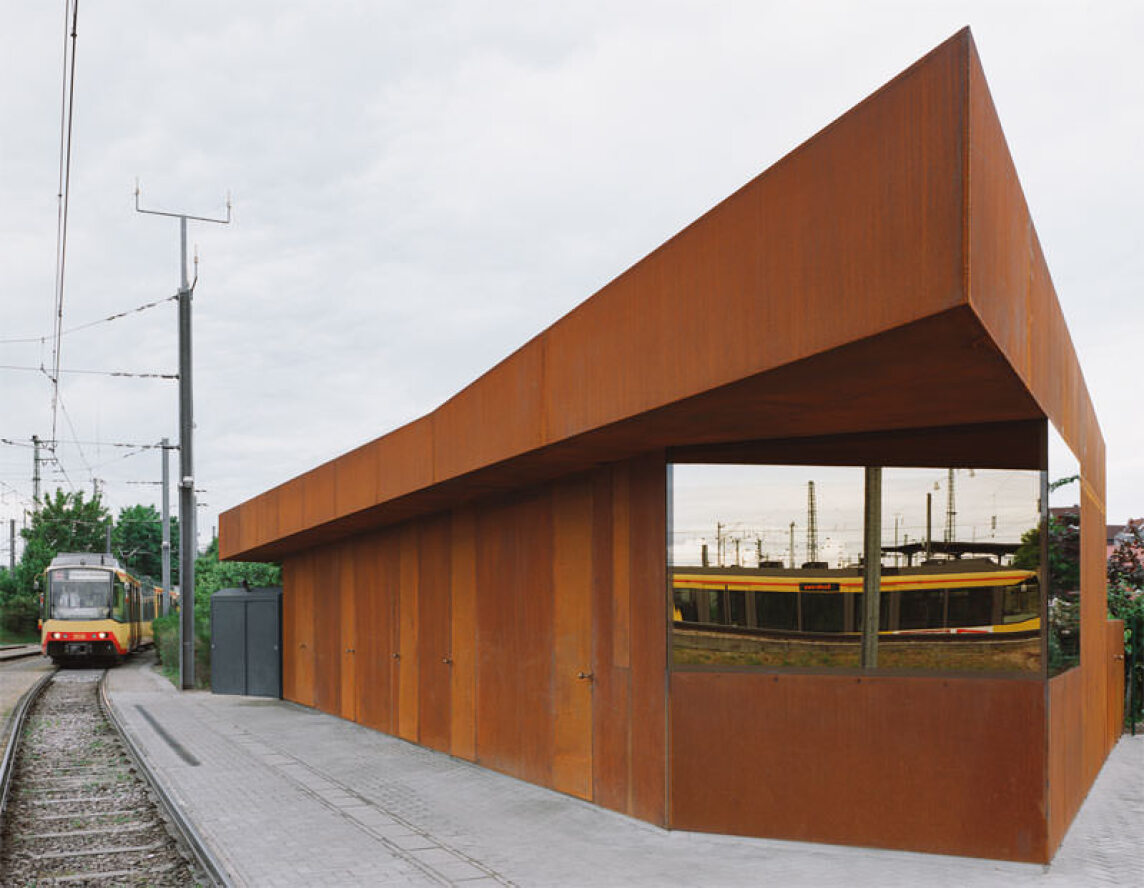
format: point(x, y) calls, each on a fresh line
point(490, 580)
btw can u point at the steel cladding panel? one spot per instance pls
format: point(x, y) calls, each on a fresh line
point(435, 633)
point(648, 603)
point(299, 659)
point(327, 630)
point(611, 684)
point(463, 579)
point(290, 639)
point(942, 765)
point(408, 662)
point(347, 692)
point(378, 585)
point(572, 621)
point(515, 639)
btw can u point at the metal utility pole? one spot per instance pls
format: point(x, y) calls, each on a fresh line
point(950, 511)
point(811, 524)
point(12, 544)
point(872, 568)
point(166, 545)
point(36, 473)
point(792, 565)
point(929, 526)
point(187, 507)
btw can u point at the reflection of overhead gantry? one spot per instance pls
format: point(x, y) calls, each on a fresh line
point(952, 549)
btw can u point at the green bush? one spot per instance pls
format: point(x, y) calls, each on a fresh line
point(211, 575)
point(166, 630)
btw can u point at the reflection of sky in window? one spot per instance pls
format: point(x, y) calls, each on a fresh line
point(756, 505)
point(1062, 464)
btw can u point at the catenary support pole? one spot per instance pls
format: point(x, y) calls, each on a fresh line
point(187, 509)
point(872, 568)
point(187, 518)
point(12, 544)
point(166, 544)
point(36, 473)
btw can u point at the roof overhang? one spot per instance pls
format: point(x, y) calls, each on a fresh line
point(884, 275)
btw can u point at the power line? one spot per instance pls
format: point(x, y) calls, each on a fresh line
point(64, 196)
point(58, 371)
point(94, 444)
point(115, 317)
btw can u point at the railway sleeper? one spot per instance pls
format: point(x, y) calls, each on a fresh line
point(98, 852)
point(136, 826)
point(109, 874)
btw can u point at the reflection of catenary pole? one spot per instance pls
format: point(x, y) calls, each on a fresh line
point(187, 523)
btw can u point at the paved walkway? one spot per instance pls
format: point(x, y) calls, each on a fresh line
point(289, 796)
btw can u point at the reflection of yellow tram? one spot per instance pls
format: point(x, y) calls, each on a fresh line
point(957, 597)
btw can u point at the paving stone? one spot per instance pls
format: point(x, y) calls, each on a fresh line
point(289, 796)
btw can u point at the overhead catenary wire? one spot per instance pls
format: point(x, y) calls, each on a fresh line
point(128, 374)
point(67, 116)
point(12, 443)
point(115, 317)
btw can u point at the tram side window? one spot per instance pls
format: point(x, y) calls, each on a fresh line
point(970, 607)
point(716, 613)
point(1021, 602)
point(119, 603)
point(822, 613)
point(777, 610)
point(737, 605)
point(921, 609)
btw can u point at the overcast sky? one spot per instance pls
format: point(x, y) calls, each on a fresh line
point(421, 187)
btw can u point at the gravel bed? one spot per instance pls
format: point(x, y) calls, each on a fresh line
point(78, 813)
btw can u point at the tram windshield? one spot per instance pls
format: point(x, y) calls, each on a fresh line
point(80, 594)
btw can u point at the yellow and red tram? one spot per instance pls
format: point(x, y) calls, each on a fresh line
point(91, 608)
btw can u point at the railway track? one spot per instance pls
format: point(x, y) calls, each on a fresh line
point(77, 809)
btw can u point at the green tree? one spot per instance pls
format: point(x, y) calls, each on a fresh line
point(65, 522)
point(137, 541)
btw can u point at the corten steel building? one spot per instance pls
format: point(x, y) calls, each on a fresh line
point(491, 580)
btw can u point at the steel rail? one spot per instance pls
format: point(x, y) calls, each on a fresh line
point(12, 741)
point(187, 833)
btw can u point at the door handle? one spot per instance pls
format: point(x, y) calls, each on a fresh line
point(448, 661)
point(585, 676)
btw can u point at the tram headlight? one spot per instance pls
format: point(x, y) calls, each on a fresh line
point(101, 635)
point(56, 635)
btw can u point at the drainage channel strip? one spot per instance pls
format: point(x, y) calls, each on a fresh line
point(77, 810)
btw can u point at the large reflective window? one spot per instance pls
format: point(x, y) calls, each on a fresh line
point(765, 565)
point(960, 586)
point(1063, 554)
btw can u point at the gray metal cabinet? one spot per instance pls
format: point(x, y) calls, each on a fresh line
point(246, 641)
